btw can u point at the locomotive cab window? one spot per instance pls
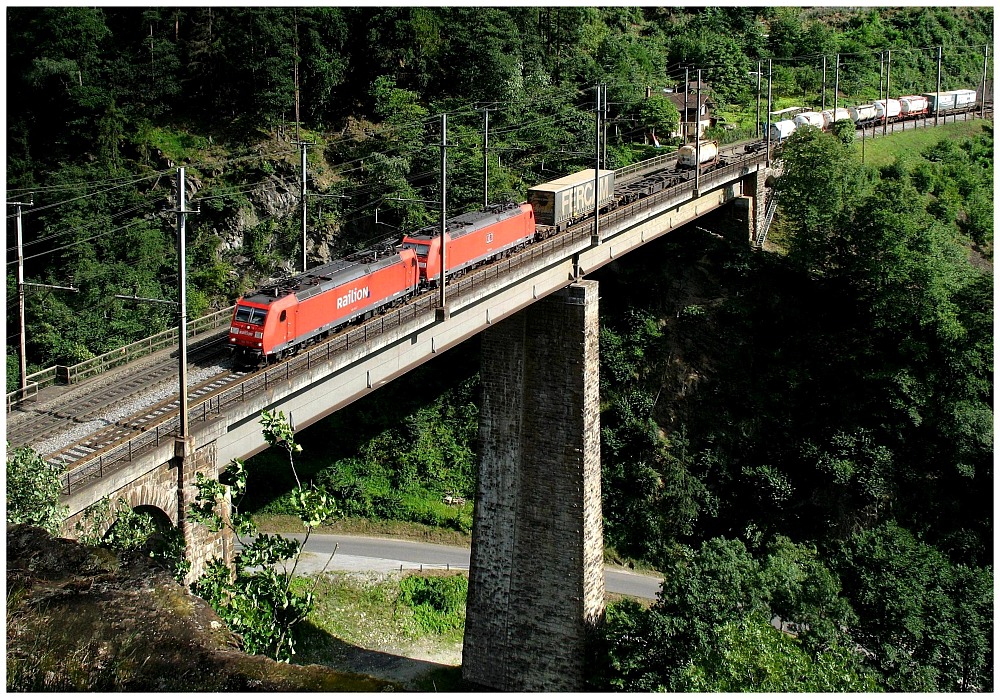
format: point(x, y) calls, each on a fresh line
point(422, 250)
point(284, 314)
point(251, 315)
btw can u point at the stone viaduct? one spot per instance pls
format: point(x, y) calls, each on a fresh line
point(536, 578)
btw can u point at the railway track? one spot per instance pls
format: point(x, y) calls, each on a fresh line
point(86, 409)
point(137, 422)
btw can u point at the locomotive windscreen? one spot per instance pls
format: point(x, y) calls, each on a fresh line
point(249, 314)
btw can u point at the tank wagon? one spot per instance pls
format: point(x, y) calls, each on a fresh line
point(688, 155)
point(809, 119)
point(912, 105)
point(780, 130)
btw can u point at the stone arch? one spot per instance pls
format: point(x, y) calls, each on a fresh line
point(154, 491)
point(160, 518)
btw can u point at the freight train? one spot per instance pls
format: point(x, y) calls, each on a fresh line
point(881, 111)
point(283, 317)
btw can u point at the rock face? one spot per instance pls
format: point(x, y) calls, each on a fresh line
point(81, 618)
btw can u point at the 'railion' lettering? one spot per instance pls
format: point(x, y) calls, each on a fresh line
point(352, 296)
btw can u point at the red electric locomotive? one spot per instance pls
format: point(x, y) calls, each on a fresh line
point(472, 238)
point(276, 320)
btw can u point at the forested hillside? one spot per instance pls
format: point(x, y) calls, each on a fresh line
point(801, 437)
point(103, 103)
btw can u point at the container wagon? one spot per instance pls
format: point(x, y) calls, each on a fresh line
point(561, 202)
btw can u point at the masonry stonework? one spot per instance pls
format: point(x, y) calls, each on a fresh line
point(203, 544)
point(536, 581)
point(158, 487)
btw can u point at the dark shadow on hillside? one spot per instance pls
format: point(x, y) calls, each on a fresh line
point(321, 648)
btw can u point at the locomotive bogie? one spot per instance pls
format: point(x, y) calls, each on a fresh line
point(560, 201)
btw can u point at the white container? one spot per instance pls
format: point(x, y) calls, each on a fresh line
point(888, 108)
point(829, 118)
point(940, 101)
point(863, 112)
point(964, 98)
point(912, 104)
point(687, 155)
point(568, 197)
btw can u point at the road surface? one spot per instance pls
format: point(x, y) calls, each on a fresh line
point(362, 553)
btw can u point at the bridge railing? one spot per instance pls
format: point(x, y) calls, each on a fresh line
point(644, 165)
point(118, 357)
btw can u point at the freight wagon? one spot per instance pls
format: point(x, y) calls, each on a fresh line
point(809, 119)
point(913, 105)
point(888, 109)
point(940, 101)
point(688, 155)
point(964, 98)
point(561, 202)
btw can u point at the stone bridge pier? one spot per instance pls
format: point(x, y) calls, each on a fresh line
point(161, 483)
point(536, 581)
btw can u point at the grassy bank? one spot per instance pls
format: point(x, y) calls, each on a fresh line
point(377, 625)
point(363, 527)
point(906, 147)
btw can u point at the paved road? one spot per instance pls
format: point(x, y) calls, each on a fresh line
point(361, 553)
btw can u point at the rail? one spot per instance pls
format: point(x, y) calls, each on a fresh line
point(772, 206)
point(117, 357)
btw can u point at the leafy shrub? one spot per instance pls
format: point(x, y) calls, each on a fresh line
point(33, 488)
point(438, 604)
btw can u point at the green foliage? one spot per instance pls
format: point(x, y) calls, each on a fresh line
point(752, 656)
point(818, 188)
point(33, 489)
point(659, 114)
point(438, 603)
point(255, 596)
point(126, 531)
point(926, 620)
point(710, 630)
point(407, 469)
